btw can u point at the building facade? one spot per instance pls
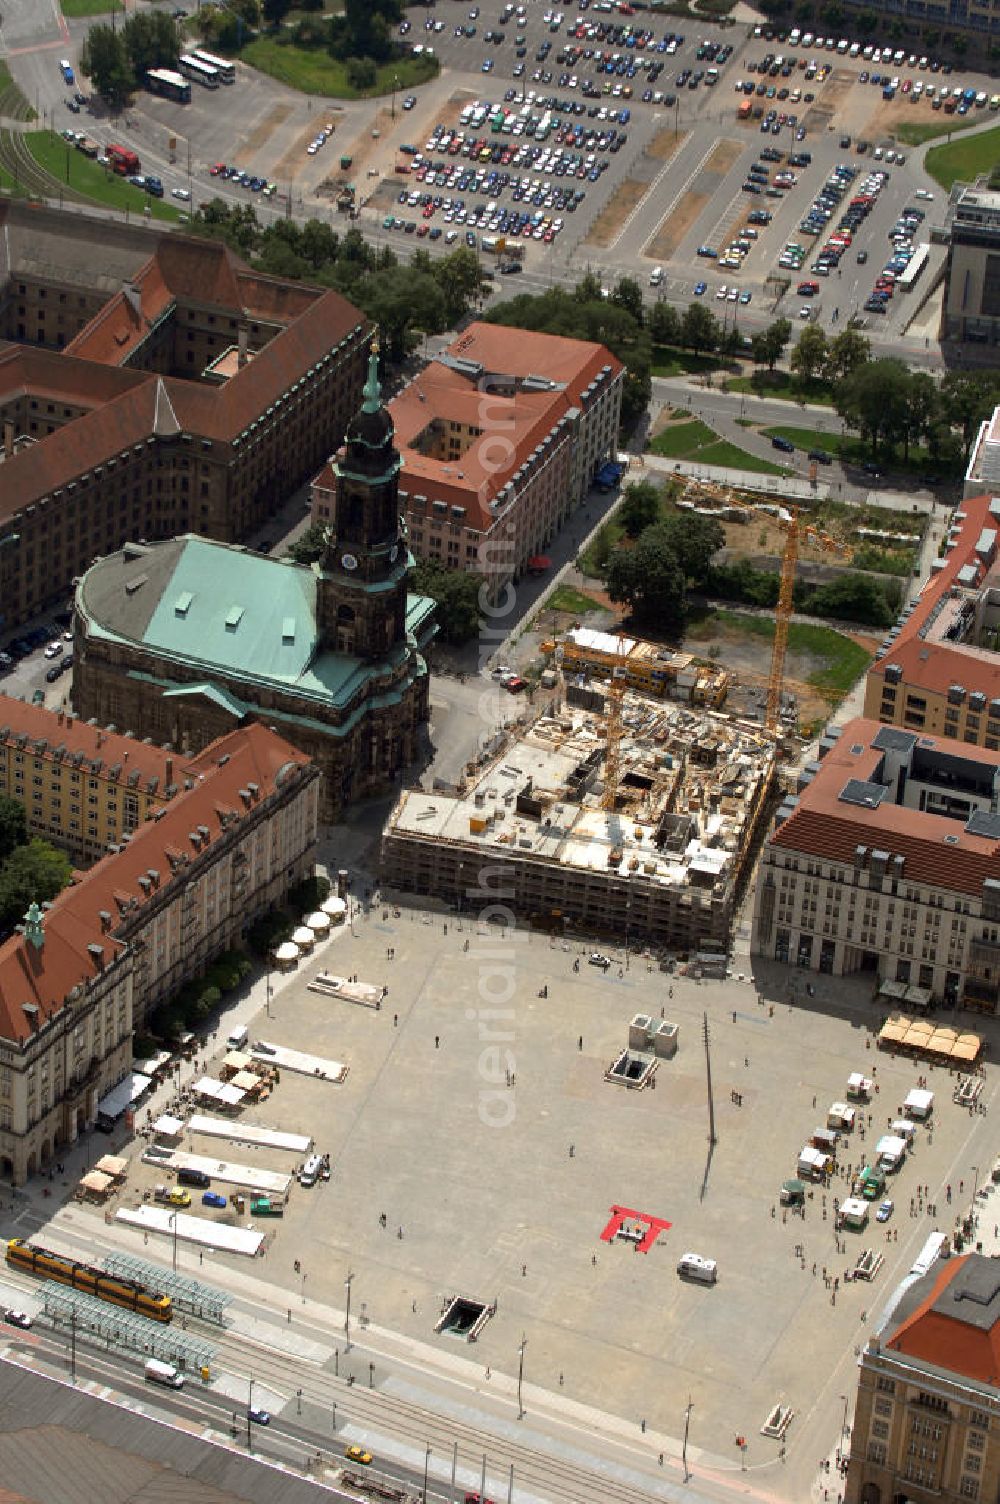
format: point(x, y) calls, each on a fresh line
point(887, 861)
point(939, 671)
point(927, 1415)
point(500, 437)
point(82, 787)
point(152, 385)
point(188, 638)
point(972, 276)
point(86, 971)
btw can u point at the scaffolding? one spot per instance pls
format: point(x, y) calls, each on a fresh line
point(188, 1295)
point(124, 1330)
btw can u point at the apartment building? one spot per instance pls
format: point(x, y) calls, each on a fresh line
point(939, 670)
point(82, 787)
point(152, 385)
point(971, 17)
point(927, 1415)
point(887, 860)
point(500, 436)
point(85, 972)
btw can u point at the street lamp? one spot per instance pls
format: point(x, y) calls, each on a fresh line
point(267, 995)
point(395, 86)
point(173, 1222)
point(249, 1408)
point(520, 1378)
point(684, 1447)
point(347, 1316)
point(843, 1428)
point(427, 1462)
point(975, 1188)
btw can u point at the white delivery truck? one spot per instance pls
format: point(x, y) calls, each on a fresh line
point(163, 1373)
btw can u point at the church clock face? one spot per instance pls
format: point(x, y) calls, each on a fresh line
point(349, 561)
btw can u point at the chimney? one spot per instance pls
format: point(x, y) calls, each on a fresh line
point(241, 347)
point(169, 771)
point(8, 438)
point(133, 298)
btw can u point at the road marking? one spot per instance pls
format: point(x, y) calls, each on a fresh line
point(655, 184)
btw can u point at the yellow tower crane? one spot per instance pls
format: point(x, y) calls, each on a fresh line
point(613, 732)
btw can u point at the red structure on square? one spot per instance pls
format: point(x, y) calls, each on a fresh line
point(622, 1214)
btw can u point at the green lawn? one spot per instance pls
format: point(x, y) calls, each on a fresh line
point(77, 10)
point(69, 166)
point(854, 452)
point(694, 440)
point(844, 661)
point(964, 159)
point(782, 385)
point(916, 132)
point(312, 70)
point(565, 598)
point(670, 362)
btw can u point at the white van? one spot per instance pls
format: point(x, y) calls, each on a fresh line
point(656, 276)
point(693, 1266)
point(237, 1037)
point(163, 1373)
point(311, 1170)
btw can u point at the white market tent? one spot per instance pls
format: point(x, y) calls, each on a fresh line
point(112, 1164)
point(167, 1126)
point(286, 952)
point(918, 1103)
point(123, 1095)
point(319, 922)
point(335, 907)
point(250, 1133)
point(188, 1229)
point(304, 938)
point(218, 1091)
point(854, 1211)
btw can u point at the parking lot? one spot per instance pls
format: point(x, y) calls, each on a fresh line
point(478, 1150)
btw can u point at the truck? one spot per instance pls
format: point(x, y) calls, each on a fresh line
point(87, 146)
point(123, 159)
point(163, 1373)
point(172, 1195)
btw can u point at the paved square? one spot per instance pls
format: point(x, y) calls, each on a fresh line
point(502, 1192)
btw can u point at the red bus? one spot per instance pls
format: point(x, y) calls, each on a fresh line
point(123, 160)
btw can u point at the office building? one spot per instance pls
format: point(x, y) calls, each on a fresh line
point(972, 276)
point(152, 384)
point(927, 1416)
point(86, 971)
point(886, 860)
point(500, 436)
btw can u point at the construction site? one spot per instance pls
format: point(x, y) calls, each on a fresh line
point(636, 819)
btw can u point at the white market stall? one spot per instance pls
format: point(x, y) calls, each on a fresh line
point(854, 1213)
point(302, 1064)
point(250, 1133)
point(218, 1091)
point(336, 908)
point(188, 1229)
point(919, 1103)
point(286, 956)
point(319, 922)
point(304, 937)
point(271, 1182)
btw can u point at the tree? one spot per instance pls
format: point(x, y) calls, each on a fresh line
point(775, 337)
point(460, 278)
point(310, 546)
point(275, 11)
point(853, 597)
point(361, 73)
point(664, 324)
point(650, 581)
point(695, 540)
point(457, 597)
point(874, 399)
point(399, 300)
point(151, 41)
point(104, 60)
point(922, 407)
point(13, 826)
point(627, 294)
point(967, 398)
point(640, 507)
point(845, 353)
point(811, 352)
point(33, 873)
point(699, 328)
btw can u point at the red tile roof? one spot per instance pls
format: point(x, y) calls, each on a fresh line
point(56, 729)
point(935, 666)
point(945, 1340)
point(253, 754)
point(121, 403)
point(511, 426)
point(825, 826)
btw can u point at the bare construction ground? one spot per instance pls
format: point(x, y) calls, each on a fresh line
point(829, 107)
point(666, 144)
point(618, 208)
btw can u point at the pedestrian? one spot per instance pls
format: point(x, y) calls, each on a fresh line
point(572, 1150)
point(579, 1043)
point(487, 1370)
point(437, 1041)
point(524, 1271)
point(814, 1101)
point(560, 1381)
point(734, 1015)
point(414, 1308)
point(395, 1020)
point(643, 1425)
point(746, 1061)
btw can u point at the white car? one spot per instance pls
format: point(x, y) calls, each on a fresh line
point(53, 650)
point(17, 1318)
point(923, 193)
point(184, 194)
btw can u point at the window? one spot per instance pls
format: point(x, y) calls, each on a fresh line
point(980, 1419)
point(969, 1488)
point(876, 1453)
point(880, 1428)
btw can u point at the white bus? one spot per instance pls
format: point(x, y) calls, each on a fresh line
point(225, 70)
point(914, 268)
point(202, 73)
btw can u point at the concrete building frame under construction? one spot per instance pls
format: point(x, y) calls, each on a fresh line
point(528, 829)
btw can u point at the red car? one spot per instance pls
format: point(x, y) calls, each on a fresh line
point(477, 1499)
point(218, 168)
point(515, 685)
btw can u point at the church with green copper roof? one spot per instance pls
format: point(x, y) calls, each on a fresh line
point(180, 641)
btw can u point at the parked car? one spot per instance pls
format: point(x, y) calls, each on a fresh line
point(785, 445)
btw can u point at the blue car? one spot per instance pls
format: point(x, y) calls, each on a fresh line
point(212, 1198)
point(700, 288)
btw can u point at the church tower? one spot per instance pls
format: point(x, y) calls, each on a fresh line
point(361, 599)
